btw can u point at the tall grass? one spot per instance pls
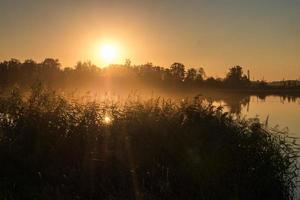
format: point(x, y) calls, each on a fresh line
point(52, 147)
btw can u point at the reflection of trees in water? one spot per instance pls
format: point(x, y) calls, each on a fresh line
point(283, 98)
point(236, 102)
point(235, 105)
point(261, 97)
point(289, 99)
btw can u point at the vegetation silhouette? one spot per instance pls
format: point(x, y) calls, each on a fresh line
point(177, 76)
point(52, 147)
point(236, 77)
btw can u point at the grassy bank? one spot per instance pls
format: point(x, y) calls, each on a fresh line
point(52, 147)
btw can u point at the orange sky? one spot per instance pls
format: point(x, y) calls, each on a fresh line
point(260, 35)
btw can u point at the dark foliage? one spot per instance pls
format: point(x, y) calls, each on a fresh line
point(54, 148)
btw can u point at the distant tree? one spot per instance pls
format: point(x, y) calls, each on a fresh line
point(235, 73)
point(14, 71)
point(29, 66)
point(200, 75)
point(29, 62)
point(14, 66)
point(235, 77)
point(191, 75)
point(127, 63)
point(145, 69)
point(177, 71)
point(14, 62)
point(166, 75)
point(29, 71)
point(263, 83)
point(86, 67)
point(214, 82)
point(51, 63)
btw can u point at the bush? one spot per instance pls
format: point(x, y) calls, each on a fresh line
point(52, 147)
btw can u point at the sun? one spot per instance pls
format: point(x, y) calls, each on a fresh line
point(108, 53)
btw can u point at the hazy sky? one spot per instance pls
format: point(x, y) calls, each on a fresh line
point(260, 35)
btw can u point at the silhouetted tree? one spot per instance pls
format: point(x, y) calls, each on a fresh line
point(177, 70)
point(51, 63)
point(191, 75)
point(200, 75)
point(127, 63)
point(236, 78)
point(211, 81)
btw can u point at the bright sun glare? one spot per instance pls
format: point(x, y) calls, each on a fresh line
point(108, 53)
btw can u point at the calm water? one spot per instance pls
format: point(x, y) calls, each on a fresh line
point(276, 110)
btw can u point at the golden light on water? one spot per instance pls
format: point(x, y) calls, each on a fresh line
point(107, 120)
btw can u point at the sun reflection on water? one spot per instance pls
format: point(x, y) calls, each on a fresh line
point(107, 120)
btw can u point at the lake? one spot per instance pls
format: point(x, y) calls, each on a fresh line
point(283, 112)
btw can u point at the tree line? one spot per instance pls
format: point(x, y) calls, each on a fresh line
point(52, 73)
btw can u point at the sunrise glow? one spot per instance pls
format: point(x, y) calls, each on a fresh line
point(146, 99)
point(108, 53)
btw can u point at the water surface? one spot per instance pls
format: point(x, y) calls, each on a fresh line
point(283, 112)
